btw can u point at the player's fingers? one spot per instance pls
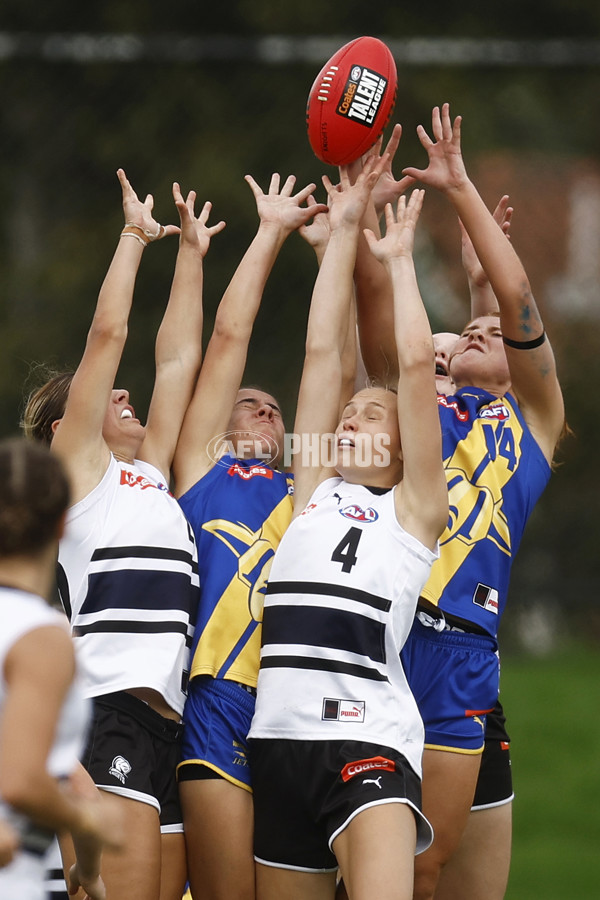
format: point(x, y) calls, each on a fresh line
point(254, 187)
point(288, 186)
point(306, 194)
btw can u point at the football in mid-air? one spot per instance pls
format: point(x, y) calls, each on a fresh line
point(351, 101)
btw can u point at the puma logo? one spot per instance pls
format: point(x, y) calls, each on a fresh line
point(376, 781)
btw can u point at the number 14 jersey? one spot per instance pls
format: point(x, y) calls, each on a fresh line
point(340, 602)
point(496, 472)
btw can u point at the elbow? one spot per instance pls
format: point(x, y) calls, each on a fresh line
point(419, 361)
point(106, 333)
point(20, 791)
point(227, 330)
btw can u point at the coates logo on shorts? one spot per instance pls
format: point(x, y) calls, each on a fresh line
point(358, 514)
point(381, 763)
point(253, 445)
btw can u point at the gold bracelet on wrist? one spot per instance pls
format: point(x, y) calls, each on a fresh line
point(142, 234)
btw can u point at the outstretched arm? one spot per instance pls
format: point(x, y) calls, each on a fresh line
point(482, 297)
point(280, 212)
point(528, 351)
point(78, 438)
point(321, 384)
point(317, 236)
point(422, 495)
point(374, 303)
point(179, 338)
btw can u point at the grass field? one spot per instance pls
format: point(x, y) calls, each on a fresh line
point(553, 718)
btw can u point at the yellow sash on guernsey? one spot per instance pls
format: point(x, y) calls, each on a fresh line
point(241, 604)
point(475, 495)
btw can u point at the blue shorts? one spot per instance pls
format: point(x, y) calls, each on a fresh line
point(454, 677)
point(216, 722)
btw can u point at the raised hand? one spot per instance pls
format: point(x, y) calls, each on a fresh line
point(348, 201)
point(446, 170)
point(281, 207)
point(387, 189)
point(400, 224)
point(139, 214)
point(316, 234)
point(93, 887)
point(194, 230)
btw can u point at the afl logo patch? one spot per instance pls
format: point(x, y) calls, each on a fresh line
point(494, 411)
point(358, 514)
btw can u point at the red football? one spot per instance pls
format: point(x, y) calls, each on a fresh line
point(351, 101)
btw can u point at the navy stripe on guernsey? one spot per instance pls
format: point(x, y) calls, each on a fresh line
point(153, 590)
point(140, 552)
point(329, 590)
point(327, 627)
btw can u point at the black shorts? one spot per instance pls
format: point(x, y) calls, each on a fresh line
point(494, 784)
point(133, 751)
point(307, 792)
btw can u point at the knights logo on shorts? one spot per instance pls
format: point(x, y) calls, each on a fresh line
point(120, 768)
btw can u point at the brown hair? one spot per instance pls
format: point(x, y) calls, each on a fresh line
point(44, 406)
point(34, 497)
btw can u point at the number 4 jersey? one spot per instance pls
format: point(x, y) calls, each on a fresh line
point(496, 473)
point(340, 602)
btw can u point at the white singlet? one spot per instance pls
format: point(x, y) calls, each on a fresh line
point(340, 602)
point(128, 579)
point(20, 613)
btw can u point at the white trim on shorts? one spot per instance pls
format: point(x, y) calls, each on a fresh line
point(174, 828)
point(274, 865)
point(131, 795)
point(418, 849)
point(494, 804)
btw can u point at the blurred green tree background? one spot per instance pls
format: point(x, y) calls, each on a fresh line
point(202, 95)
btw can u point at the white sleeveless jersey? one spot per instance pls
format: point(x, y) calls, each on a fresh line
point(21, 613)
point(340, 603)
point(128, 579)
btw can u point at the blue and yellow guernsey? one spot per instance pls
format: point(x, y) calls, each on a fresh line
point(239, 511)
point(496, 473)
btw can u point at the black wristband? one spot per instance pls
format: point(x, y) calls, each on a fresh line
point(525, 345)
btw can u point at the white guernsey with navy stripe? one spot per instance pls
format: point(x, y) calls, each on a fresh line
point(128, 579)
point(340, 602)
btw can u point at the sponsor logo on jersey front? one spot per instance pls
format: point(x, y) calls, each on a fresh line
point(486, 597)
point(251, 472)
point(371, 765)
point(120, 768)
point(461, 414)
point(343, 710)
point(358, 514)
point(130, 479)
point(362, 95)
